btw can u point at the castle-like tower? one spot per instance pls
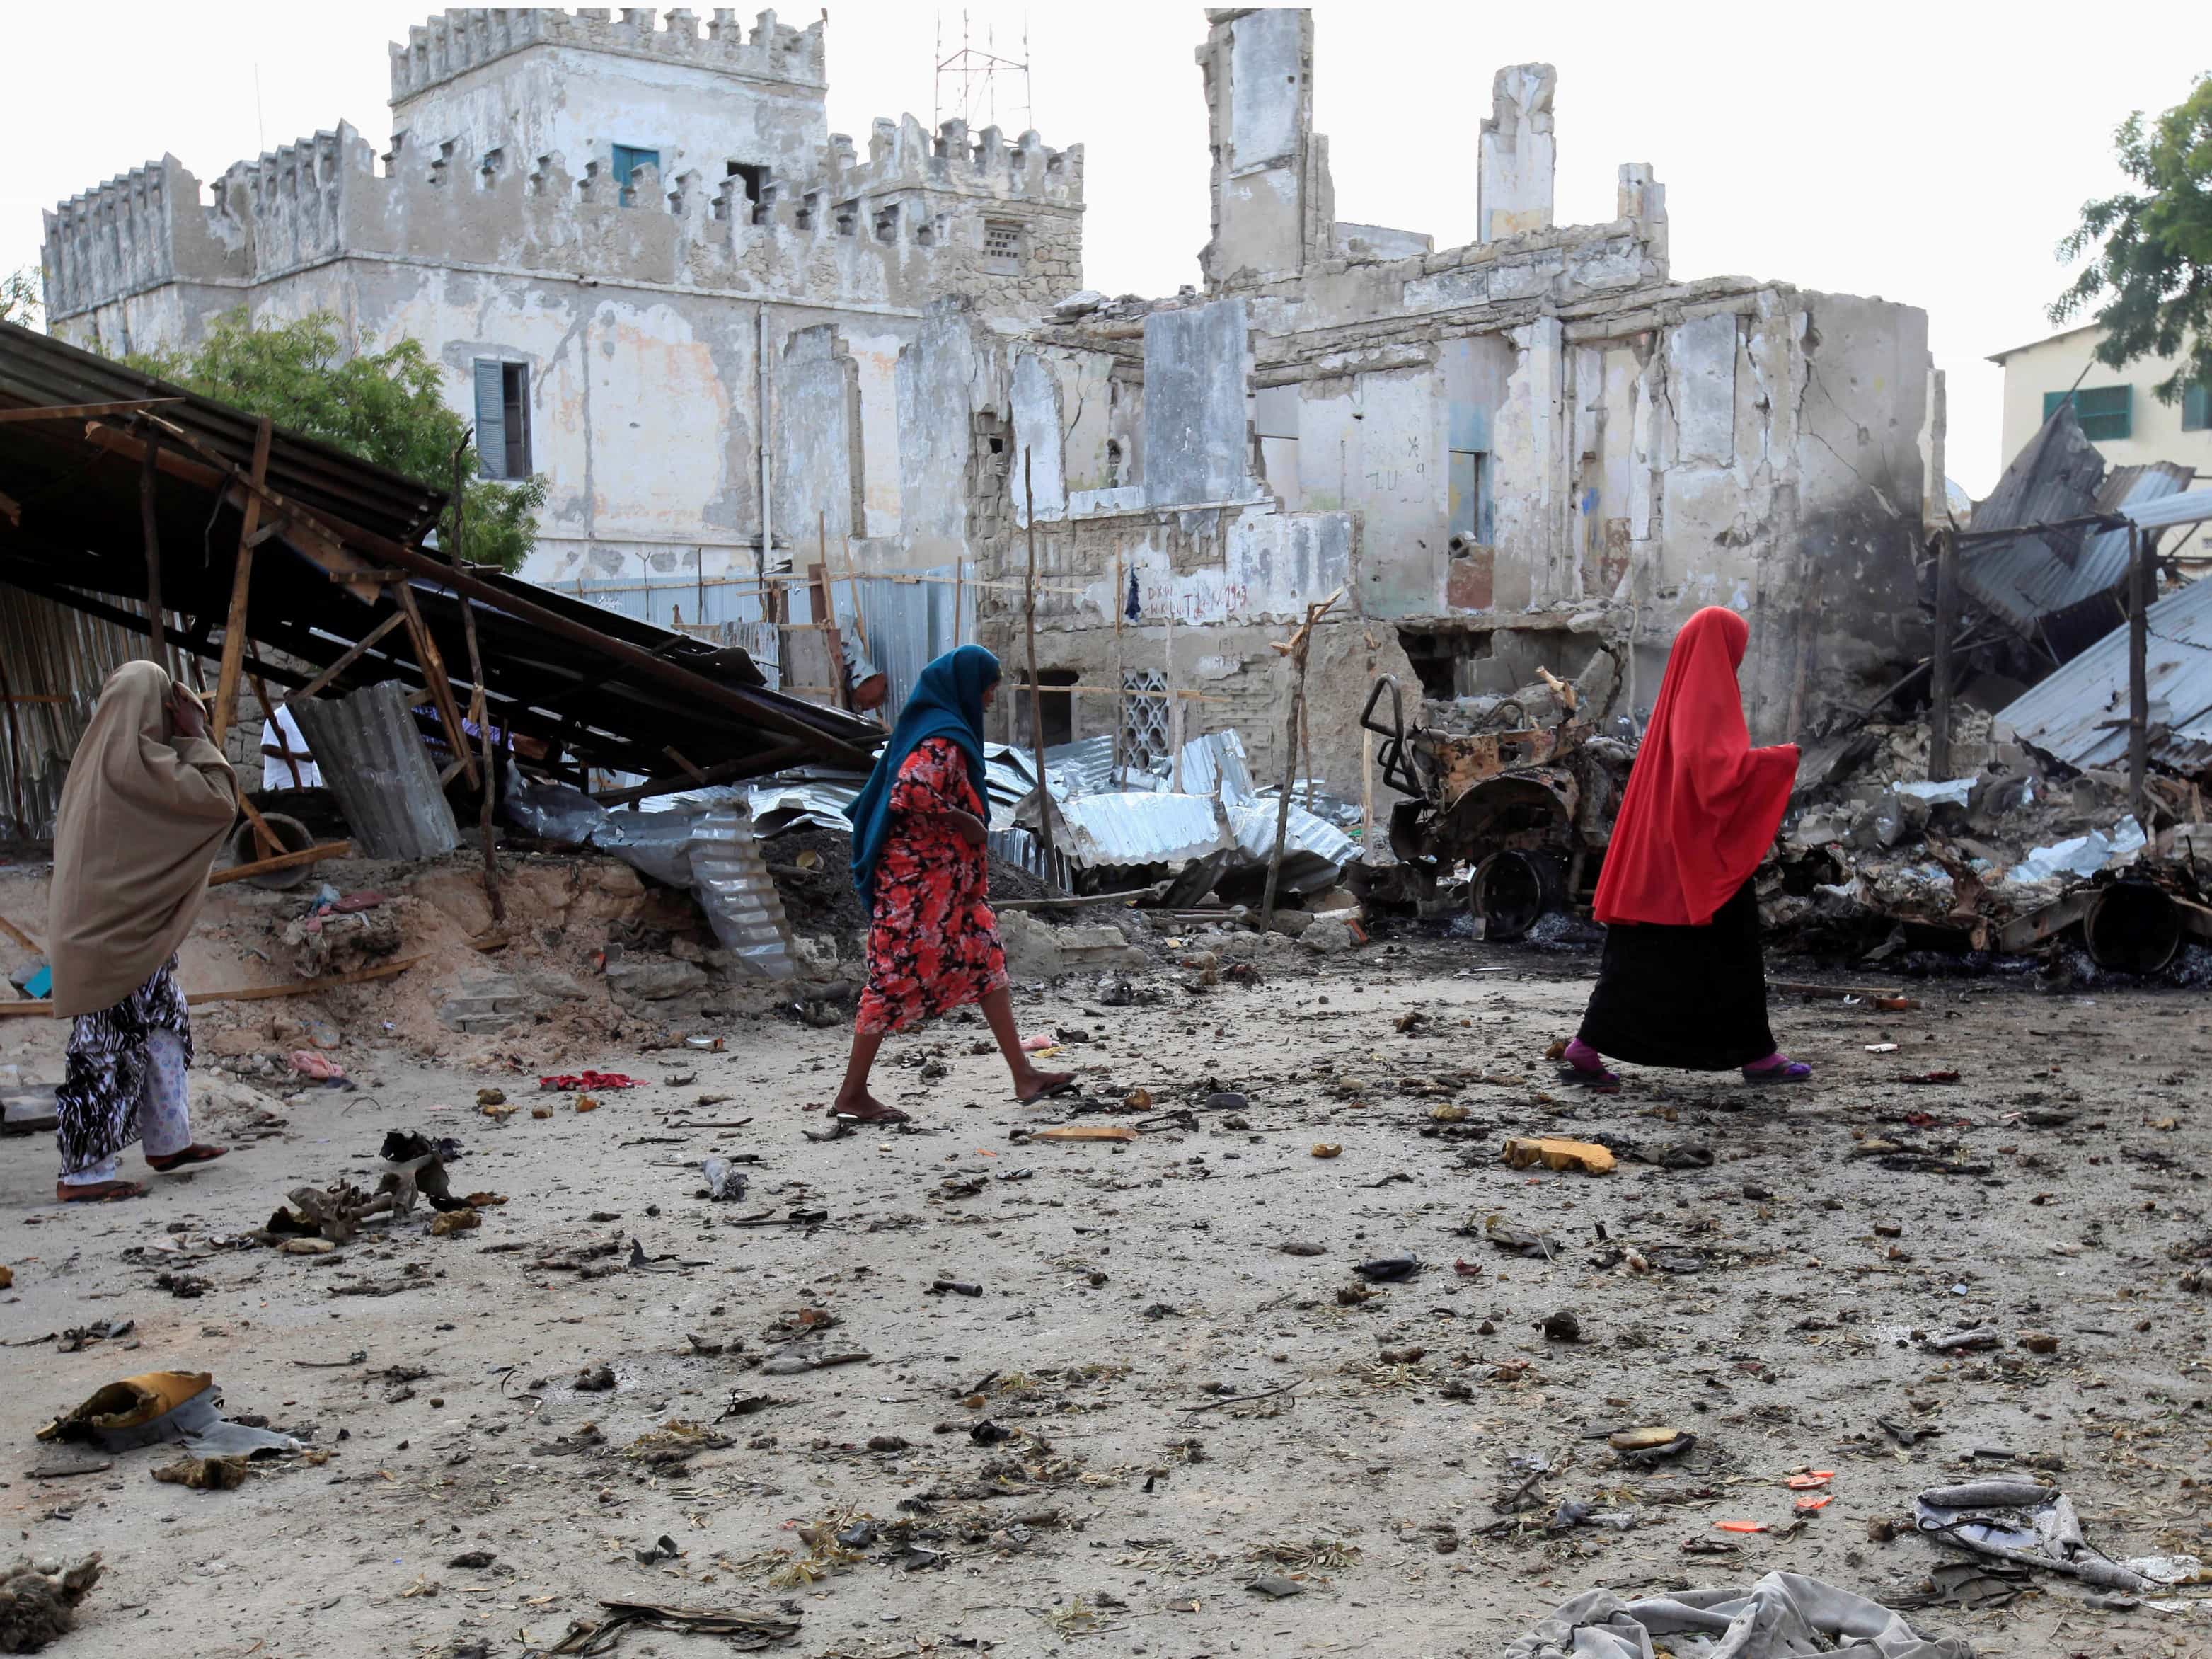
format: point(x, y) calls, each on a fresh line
point(607, 228)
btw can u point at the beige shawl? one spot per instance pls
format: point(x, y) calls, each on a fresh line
point(142, 815)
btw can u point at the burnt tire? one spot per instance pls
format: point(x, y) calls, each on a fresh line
point(1512, 890)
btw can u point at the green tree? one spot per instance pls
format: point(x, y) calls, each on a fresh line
point(22, 298)
point(2153, 247)
point(387, 407)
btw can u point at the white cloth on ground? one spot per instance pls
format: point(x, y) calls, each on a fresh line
point(1781, 1616)
point(165, 1123)
point(284, 733)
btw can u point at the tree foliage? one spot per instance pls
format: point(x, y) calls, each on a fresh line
point(23, 300)
point(2153, 264)
point(387, 407)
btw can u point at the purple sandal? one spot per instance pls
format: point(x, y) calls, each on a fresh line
point(1777, 1068)
point(1585, 1069)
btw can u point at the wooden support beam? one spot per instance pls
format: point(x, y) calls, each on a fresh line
point(83, 412)
point(441, 689)
point(479, 700)
point(157, 631)
point(1296, 650)
point(354, 654)
point(315, 854)
point(305, 987)
point(241, 579)
point(264, 836)
point(1947, 624)
point(1036, 692)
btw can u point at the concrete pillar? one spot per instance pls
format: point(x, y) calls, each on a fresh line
point(1513, 192)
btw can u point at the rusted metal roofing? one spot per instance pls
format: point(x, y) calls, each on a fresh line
point(344, 539)
point(2070, 715)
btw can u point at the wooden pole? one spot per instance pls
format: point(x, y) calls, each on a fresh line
point(354, 654)
point(1175, 704)
point(1120, 679)
point(1036, 692)
point(15, 779)
point(157, 636)
point(241, 578)
point(427, 657)
point(853, 589)
point(2141, 568)
point(480, 702)
point(1946, 626)
point(1296, 650)
point(268, 714)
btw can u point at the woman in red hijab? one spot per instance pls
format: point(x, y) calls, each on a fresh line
point(1682, 983)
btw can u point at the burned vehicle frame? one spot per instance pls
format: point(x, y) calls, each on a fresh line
point(1529, 806)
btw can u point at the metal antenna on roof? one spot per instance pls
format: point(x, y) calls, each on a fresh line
point(976, 72)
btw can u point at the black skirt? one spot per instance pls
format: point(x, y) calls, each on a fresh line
point(1693, 998)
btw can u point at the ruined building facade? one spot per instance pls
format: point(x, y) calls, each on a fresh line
point(629, 243)
point(1536, 450)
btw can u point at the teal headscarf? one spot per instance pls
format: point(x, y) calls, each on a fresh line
point(947, 703)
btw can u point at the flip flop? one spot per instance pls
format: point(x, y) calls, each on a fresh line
point(1066, 1086)
point(98, 1191)
point(194, 1153)
point(1789, 1071)
point(881, 1114)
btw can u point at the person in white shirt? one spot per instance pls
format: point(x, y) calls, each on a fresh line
point(286, 761)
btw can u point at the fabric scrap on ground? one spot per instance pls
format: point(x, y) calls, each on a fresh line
point(1782, 1615)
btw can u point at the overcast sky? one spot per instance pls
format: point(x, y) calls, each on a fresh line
point(1931, 154)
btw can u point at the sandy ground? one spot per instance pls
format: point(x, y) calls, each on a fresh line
point(1128, 1294)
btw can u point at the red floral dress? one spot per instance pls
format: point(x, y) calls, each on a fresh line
point(933, 946)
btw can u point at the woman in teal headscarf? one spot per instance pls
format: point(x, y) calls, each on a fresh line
point(919, 866)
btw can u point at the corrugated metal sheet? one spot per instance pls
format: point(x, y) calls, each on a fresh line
point(1217, 763)
point(2193, 506)
point(731, 881)
point(2064, 716)
point(2030, 579)
point(50, 651)
point(709, 850)
point(373, 760)
point(1254, 826)
point(907, 623)
point(1082, 768)
point(1121, 828)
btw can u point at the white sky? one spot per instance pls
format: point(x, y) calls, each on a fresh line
point(1930, 154)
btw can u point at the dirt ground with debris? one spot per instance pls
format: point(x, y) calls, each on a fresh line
point(1181, 1407)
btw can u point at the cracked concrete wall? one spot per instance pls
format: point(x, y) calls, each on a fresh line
point(1273, 207)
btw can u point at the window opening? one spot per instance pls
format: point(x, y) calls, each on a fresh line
point(2196, 407)
point(628, 158)
point(755, 180)
point(2105, 412)
point(1002, 245)
point(1144, 716)
point(1466, 480)
point(502, 418)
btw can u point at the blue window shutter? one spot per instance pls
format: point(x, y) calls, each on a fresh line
point(2196, 407)
point(2105, 412)
point(491, 419)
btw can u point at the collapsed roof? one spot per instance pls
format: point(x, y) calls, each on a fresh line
point(597, 688)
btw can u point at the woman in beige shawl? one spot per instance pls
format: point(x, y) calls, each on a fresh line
point(148, 801)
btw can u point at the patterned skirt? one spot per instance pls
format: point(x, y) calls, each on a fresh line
point(98, 1106)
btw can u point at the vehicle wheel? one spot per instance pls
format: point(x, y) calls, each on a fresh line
point(1511, 890)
